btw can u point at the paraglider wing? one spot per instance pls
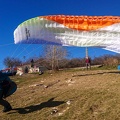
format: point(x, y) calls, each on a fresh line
point(82, 31)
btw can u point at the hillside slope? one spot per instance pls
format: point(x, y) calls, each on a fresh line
point(66, 95)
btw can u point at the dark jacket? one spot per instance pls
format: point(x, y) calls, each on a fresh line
point(4, 79)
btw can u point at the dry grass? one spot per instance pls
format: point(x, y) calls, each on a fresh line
point(66, 95)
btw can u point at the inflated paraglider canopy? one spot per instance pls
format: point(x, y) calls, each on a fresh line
point(82, 31)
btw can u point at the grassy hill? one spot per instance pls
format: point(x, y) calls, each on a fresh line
point(66, 95)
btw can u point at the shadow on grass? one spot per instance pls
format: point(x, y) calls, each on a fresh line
point(32, 108)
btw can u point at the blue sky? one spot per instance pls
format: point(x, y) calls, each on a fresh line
point(14, 12)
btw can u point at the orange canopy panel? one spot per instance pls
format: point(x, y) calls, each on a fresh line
point(84, 22)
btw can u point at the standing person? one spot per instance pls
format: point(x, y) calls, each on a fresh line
point(88, 63)
point(4, 88)
point(32, 63)
point(40, 70)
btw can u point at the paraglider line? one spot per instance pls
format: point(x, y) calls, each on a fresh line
point(7, 44)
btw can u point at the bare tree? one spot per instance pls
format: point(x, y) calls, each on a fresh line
point(54, 55)
point(10, 62)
